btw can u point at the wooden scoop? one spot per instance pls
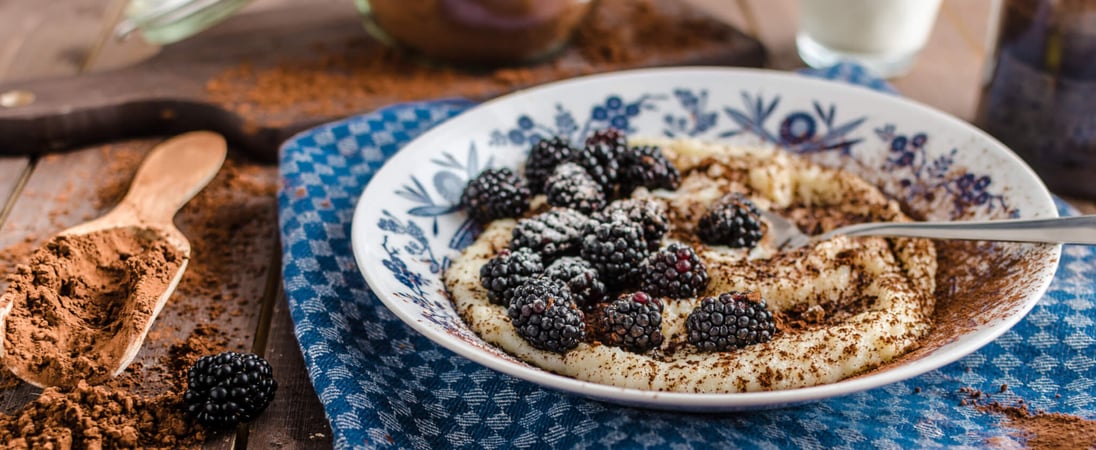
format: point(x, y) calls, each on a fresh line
point(168, 178)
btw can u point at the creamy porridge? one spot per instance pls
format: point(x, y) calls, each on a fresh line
point(841, 307)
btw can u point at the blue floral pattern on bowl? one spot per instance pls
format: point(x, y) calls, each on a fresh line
point(418, 227)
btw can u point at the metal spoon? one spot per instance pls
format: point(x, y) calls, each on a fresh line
point(1057, 230)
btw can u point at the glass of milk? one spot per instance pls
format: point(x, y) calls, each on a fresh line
point(884, 36)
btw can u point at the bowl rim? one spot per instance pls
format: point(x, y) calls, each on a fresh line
point(689, 400)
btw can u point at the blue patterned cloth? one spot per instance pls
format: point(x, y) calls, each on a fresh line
point(384, 385)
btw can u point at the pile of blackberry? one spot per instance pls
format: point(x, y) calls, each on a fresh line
point(589, 266)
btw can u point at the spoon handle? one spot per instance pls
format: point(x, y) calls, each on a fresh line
point(1059, 230)
point(172, 174)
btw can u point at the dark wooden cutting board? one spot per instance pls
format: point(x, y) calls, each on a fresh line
point(170, 93)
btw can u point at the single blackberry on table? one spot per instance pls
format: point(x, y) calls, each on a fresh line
point(570, 186)
point(728, 321)
point(649, 214)
point(544, 315)
point(545, 155)
point(581, 278)
point(551, 234)
point(601, 158)
point(494, 194)
point(675, 271)
point(733, 221)
point(616, 248)
point(633, 322)
point(508, 270)
point(229, 388)
point(646, 166)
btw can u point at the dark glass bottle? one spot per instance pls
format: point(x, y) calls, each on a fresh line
point(1040, 92)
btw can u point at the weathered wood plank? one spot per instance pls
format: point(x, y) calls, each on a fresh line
point(949, 59)
point(1086, 206)
point(12, 172)
point(730, 12)
point(295, 419)
point(43, 39)
point(775, 23)
point(972, 18)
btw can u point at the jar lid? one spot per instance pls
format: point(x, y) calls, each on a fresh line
point(168, 21)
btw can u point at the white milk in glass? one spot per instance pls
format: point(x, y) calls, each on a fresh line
point(883, 35)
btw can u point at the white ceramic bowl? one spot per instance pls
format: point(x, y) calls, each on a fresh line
point(407, 227)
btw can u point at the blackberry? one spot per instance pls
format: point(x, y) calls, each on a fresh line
point(550, 234)
point(731, 320)
point(611, 136)
point(732, 221)
point(544, 315)
point(601, 158)
point(646, 166)
point(494, 194)
point(545, 155)
point(675, 271)
point(508, 270)
point(570, 186)
point(582, 279)
point(633, 322)
point(616, 248)
point(226, 389)
point(649, 214)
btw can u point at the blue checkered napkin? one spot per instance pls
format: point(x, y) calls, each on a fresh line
point(853, 74)
point(384, 385)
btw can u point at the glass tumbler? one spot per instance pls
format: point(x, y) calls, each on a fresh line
point(884, 36)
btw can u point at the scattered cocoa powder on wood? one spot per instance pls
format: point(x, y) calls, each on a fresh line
point(113, 415)
point(626, 31)
point(363, 74)
point(81, 300)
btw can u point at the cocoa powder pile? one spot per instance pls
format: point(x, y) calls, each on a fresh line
point(114, 414)
point(81, 300)
point(364, 74)
point(232, 230)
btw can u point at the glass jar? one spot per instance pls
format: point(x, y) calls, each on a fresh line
point(1040, 92)
point(476, 31)
point(168, 21)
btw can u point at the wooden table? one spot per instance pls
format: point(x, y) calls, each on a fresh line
point(38, 196)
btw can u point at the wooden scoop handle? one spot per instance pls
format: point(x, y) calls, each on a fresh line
point(171, 175)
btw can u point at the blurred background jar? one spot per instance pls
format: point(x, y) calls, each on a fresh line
point(487, 32)
point(1039, 96)
point(168, 21)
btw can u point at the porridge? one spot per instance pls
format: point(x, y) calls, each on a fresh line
point(674, 286)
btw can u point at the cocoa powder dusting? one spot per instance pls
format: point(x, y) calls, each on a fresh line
point(974, 278)
point(81, 300)
point(231, 228)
